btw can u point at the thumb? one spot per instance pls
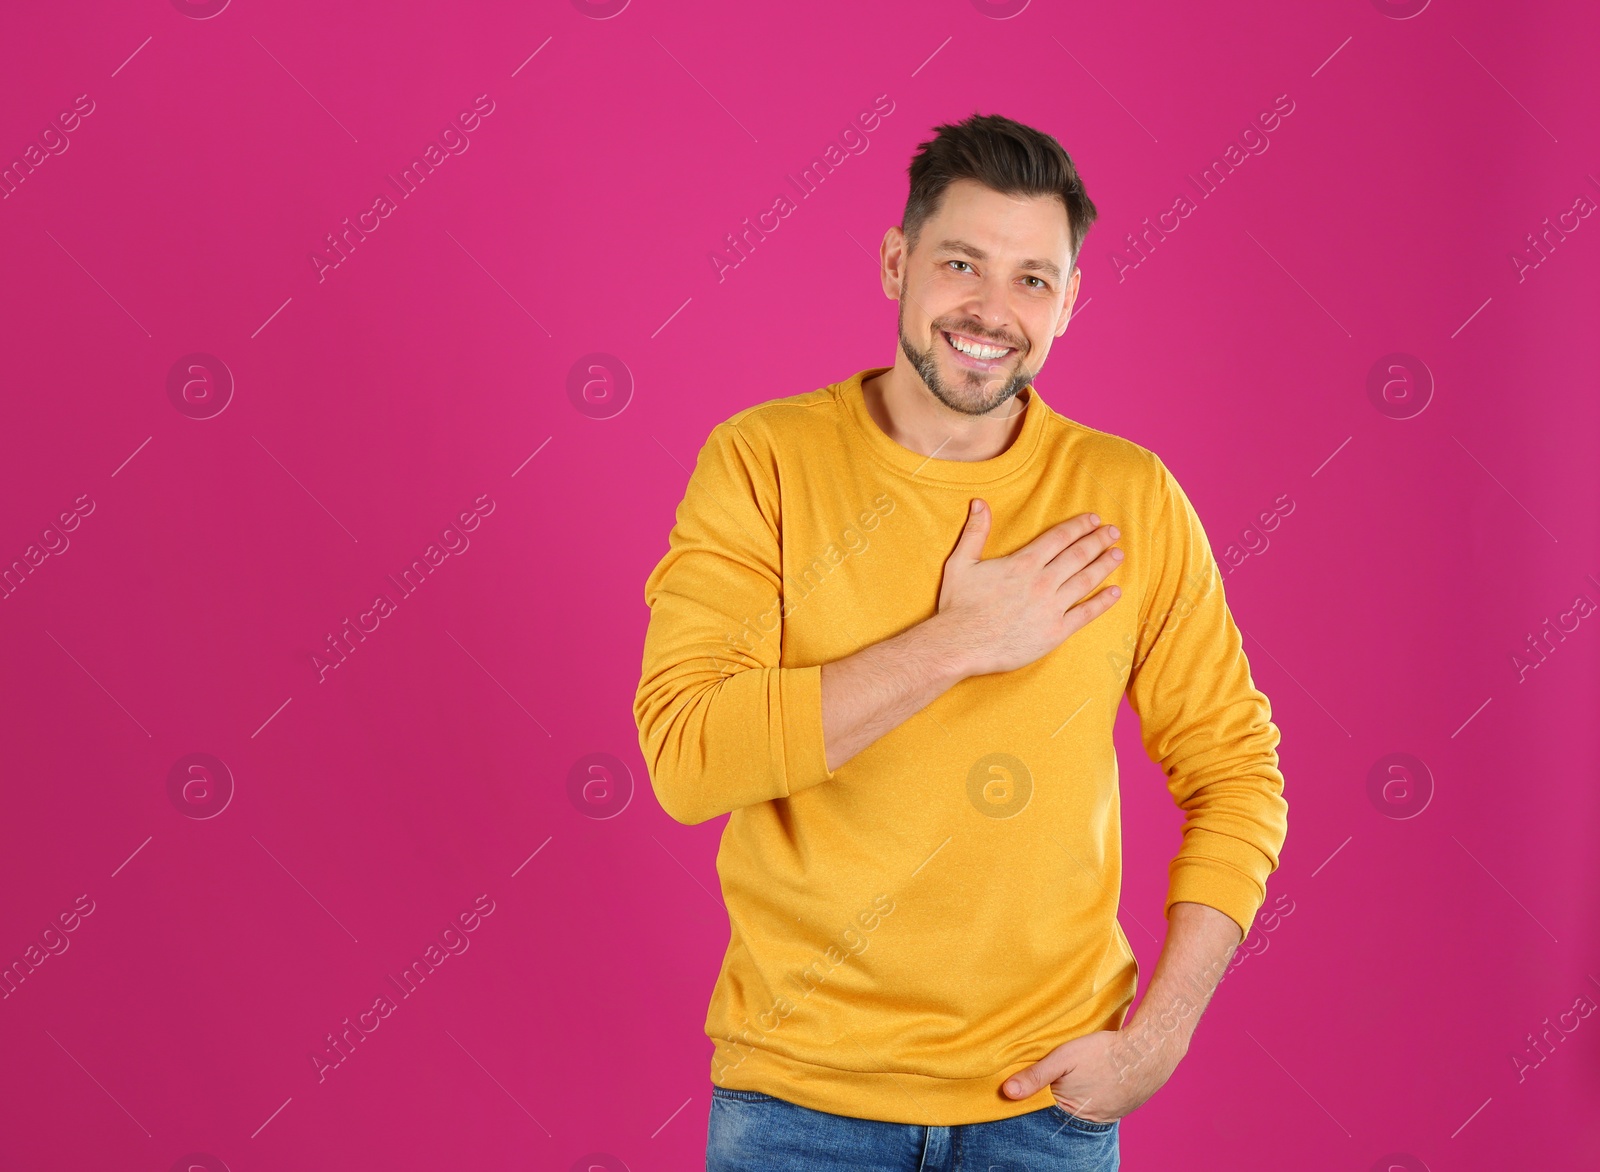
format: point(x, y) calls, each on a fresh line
point(1041, 1074)
point(976, 531)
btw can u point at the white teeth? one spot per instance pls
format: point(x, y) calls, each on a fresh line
point(976, 351)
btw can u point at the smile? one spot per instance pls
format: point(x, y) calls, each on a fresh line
point(974, 353)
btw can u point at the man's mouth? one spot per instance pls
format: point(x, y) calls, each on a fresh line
point(975, 352)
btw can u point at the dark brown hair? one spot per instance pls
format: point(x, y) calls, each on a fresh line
point(1007, 156)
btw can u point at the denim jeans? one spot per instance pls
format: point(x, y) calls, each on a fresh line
point(752, 1132)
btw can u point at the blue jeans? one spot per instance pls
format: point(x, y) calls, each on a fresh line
point(752, 1132)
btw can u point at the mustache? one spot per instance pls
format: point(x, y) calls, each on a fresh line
point(983, 335)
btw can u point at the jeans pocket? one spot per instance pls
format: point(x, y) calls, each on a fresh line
point(1061, 1115)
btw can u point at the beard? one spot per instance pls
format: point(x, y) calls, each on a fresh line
point(974, 392)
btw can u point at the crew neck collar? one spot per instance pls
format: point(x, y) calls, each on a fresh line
point(931, 468)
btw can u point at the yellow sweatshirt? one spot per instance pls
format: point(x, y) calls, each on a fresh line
point(941, 910)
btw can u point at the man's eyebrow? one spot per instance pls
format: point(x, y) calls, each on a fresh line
point(1048, 267)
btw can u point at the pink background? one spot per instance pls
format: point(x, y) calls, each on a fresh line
point(431, 369)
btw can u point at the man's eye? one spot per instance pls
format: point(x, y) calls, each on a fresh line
point(956, 262)
point(1039, 279)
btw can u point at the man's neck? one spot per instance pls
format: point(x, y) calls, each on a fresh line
point(911, 415)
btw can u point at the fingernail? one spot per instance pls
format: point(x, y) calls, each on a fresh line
point(976, 505)
point(1013, 1088)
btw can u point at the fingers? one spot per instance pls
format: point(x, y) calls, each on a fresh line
point(975, 532)
point(1026, 1082)
point(1090, 609)
point(1049, 544)
point(1077, 585)
point(1087, 560)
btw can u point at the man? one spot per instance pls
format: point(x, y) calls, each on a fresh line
point(889, 637)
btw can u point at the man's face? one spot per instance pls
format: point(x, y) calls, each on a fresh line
point(989, 270)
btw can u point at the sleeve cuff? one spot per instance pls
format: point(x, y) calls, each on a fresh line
point(805, 759)
point(1216, 884)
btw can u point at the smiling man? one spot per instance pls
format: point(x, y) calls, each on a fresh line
point(889, 638)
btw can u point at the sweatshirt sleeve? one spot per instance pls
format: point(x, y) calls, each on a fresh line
point(721, 724)
point(1203, 720)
